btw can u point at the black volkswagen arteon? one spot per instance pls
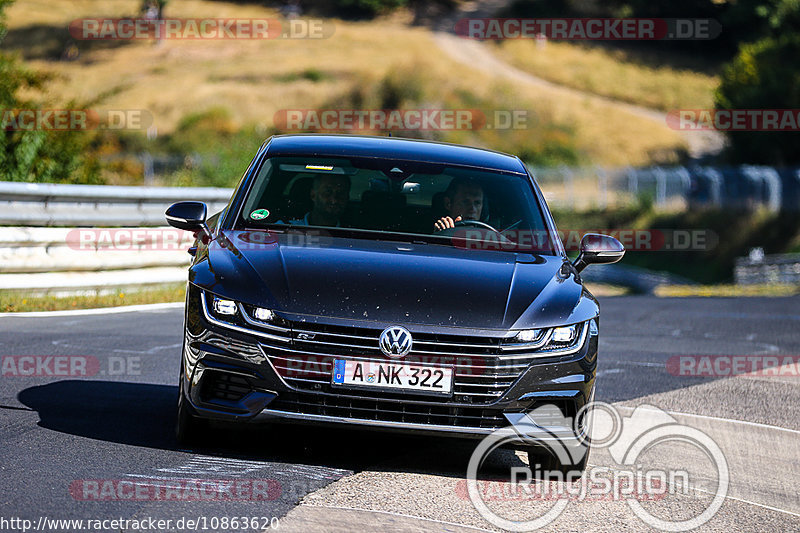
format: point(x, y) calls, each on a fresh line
point(388, 283)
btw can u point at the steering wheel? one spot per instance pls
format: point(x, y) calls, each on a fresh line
point(476, 223)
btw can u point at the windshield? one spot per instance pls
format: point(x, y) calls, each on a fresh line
point(444, 204)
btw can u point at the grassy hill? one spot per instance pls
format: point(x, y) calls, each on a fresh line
point(247, 81)
point(613, 72)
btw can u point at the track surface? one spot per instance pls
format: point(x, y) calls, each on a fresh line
point(117, 425)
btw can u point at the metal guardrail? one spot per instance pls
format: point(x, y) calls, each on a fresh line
point(746, 186)
point(759, 268)
point(48, 204)
point(40, 259)
point(63, 259)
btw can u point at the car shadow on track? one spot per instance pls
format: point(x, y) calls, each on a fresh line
point(139, 414)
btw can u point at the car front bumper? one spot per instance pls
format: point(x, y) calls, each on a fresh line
point(233, 373)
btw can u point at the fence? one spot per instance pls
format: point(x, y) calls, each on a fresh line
point(759, 268)
point(35, 252)
point(48, 204)
point(746, 186)
point(37, 258)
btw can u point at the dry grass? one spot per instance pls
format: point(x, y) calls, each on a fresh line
point(256, 78)
point(607, 73)
point(19, 302)
point(603, 290)
point(731, 291)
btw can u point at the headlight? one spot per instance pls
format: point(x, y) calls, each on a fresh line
point(565, 334)
point(545, 338)
point(224, 307)
point(528, 335)
point(241, 314)
point(262, 314)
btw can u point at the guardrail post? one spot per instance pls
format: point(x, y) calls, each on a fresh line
point(569, 188)
point(661, 186)
point(633, 181)
point(602, 182)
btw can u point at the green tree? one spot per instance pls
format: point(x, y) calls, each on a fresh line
point(764, 75)
point(36, 155)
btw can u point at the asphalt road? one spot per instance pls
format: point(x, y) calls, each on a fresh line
point(69, 444)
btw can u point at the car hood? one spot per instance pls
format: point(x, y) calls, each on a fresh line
point(388, 281)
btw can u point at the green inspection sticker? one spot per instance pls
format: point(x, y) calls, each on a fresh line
point(259, 214)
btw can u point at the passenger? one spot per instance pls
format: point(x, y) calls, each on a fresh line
point(329, 196)
point(463, 200)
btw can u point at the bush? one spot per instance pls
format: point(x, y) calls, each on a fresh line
point(37, 155)
point(543, 140)
point(217, 150)
point(764, 75)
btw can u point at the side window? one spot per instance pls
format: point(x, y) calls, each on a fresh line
point(257, 194)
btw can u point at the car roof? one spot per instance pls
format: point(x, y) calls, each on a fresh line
point(330, 145)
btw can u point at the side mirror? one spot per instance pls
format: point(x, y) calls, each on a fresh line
point(190, 216)
point(598, 249)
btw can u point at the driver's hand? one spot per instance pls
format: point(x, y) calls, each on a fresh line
point(446, 223)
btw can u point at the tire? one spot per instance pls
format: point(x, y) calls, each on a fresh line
point(188, 428)
point(550, 463)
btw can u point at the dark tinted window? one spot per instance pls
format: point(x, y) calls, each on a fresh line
point(397, 197)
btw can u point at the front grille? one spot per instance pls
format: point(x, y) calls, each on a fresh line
point(223, 386)
point(484, 367)
point(550, 414)
point(374, 409)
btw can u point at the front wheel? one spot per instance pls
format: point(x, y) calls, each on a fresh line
point(188, 428)
point(551, 466)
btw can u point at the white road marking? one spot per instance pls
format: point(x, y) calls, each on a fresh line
point(220, 466)
point(719, 418)
point(768, 348)
point(609, 371)
point(698, 489)
point(344, 508)
point(64, 344)
point(641, 363)
point(207, 466)
point(771, 508)
point(151, 350)
point(98, 311)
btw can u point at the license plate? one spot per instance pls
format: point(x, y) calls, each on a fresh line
point(392, 376)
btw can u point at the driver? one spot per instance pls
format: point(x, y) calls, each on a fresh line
point(463, 200)
point(329, 195)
